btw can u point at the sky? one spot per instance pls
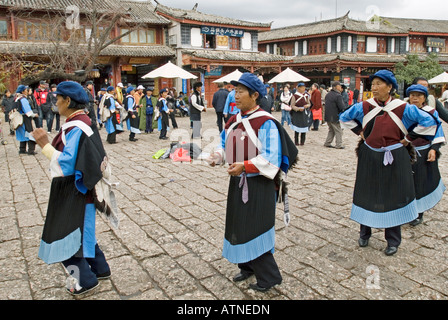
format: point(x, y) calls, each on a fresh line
point(284, 13)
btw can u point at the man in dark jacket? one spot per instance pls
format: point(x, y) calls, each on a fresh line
point(267, 102)
point(91, 106)
point(334, 105)
point(218, 102)
point(7, 106)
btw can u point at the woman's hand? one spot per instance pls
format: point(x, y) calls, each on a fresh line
point(41, 137)
point(404, 142)
point(432, 155)
point(236, 169)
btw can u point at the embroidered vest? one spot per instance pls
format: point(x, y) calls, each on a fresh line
point(239, 147)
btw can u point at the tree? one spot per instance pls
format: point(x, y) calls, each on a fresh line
point(70, 49)
point(413, 67)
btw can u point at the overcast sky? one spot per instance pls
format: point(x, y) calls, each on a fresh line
point(291, 12)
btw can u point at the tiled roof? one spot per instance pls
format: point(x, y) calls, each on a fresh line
point(60, 4)
point(138, 11)
point(344, 23)
point(221, 55)
point(350, 57)
point(37, 48)
point(198, 16)
point(419, 25)
point(143, 12)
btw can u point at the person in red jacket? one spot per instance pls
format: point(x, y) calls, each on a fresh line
point(316, 106)
point(44, 109)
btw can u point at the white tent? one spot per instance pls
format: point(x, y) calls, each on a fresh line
point(233, 76)
point(440, 79)
point(288, 75)
point(169, 71)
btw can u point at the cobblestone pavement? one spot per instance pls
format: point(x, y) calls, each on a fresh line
point(169, 242)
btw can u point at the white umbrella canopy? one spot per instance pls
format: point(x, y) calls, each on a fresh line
point(288, 75)
point(169, 71)
point(233, 76)
point(440, 79)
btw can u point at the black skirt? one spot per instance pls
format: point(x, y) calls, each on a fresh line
point(247, 221)
point(384, 195)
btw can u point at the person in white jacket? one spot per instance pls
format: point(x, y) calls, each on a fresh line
point(285, 98)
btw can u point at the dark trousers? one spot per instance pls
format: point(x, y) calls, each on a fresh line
point(85, 270)
point(392, 235)
point(149, 123)
point(173, 119)
point(265, 270)
point(302, 137)
point(112, 137)
point(220, 120)
point(164, 125)
point(31, 146)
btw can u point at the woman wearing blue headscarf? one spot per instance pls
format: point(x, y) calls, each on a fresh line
point(384, 195)
point(428, 183)
point(23, 132)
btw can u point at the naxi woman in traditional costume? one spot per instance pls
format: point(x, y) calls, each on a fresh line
point(132, 120)
point(259, 151)
point(110, 115)
point(23, 132)
point(77, 163)
point(384, 195)
point(300, 113)
point(428, 183)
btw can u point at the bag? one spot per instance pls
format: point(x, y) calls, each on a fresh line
point(54, 109)
point(159, 153)
point(180, 155)
point(15, 119)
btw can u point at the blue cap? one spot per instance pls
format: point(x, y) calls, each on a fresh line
point(73, 90)
point(300, 84)
point(163, 90)
point(129, 89)
point(417, 88)
point(387, 76)
point(110, 88)
point(21, 88)
point(251, 81)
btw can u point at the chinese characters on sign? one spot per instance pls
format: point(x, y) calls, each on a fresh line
point(230, 32)
point(435, 43)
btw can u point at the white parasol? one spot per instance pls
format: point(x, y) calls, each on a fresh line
point(169, 71)
point(440, 79)
point(288, 75)
point(233, 76)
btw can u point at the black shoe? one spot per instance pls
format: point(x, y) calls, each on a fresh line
point(256, 287)
point(341, 147)
point(133, 140)
point(416, 222)
point(103, 276)
point(390, 251)
point(32, 153)
point(330, 146)
point(22, 152)
point(81, 291)
point(163, 138)
point(242, 276)
point(363, 243)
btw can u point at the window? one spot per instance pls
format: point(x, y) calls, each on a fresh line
point(305, 48)
point(349, 44)
point(234, 44)
point(338, 44)
point(329, 45)
point(139, 36)
point(3, 29)
point(33, 31)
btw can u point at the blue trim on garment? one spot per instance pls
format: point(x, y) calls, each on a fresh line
point(250, 250)
point(79, 182)
point(429, 201)
point(387, 219)
point(298, 129)
point(88, 235)
point(60, 250)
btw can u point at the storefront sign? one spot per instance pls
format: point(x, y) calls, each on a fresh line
point(214, 71)
point(220, 31)
point(435, 43)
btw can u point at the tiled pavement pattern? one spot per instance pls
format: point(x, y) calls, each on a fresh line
point(169, 242)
